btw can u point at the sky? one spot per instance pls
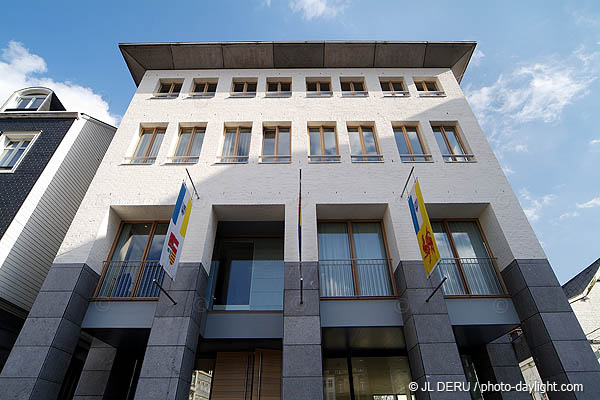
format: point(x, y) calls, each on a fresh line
point(532, 82)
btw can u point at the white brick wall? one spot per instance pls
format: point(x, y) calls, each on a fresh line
point(506, 226)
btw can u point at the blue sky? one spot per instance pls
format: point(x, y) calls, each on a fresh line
point(532, 83)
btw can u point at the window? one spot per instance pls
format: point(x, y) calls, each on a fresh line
point(410, 143)
point(204, 88)
point(323, 144)
point(428, 88)
point(148, 146)
point(363, 144)
point(236, 145)
point(353, 87)
point(279, 88)
point(466, 261)
point(134, 261)
point(13, 147)
point(353, 259)
point(30, 102)
point(276, 144)
point(168, 90)
point(189, 145)
point(244, 88)
point(320, 87)
point(450, 144)
point(393, 87)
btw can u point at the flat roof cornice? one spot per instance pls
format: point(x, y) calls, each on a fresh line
point(141, 57)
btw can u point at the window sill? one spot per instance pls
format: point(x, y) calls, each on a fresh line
point(367, 161)
point(242, 95)
point(230, 162)
point(477, 296)
point(355, 94)
point(460, 161)
point(417, 161)
point(397, 94)
point(359, 298)
point(432, 94)
point(124, 299)
point(278, 95)
point(275, 162)
point(180, 163)
point(154, 97)
point(201, 96)
point(319, 94)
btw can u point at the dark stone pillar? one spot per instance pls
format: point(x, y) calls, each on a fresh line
point(171, 352)
point(432, 349)
point(558, 345)
point(41, 355)
point(302, 361)
point(496, 362)
point(96, 371)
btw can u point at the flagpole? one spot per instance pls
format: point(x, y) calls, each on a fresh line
point(192, 182)
point(407, 179)
point(300, 236)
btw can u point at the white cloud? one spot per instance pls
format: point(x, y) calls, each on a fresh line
point(476, 58)
point(538, 91)
point(317, 8)
point(20, 69)
point(533, 206)
point(595, 202)
point(594, 142)
point(507, 170)
point(521, 148)
point(570, 214)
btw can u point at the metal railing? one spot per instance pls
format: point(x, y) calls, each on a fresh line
point(432, 93)
point(242, 94)
point(357, 93)
point(232, 159)
point(458, 157)
point(324, 158)
point(356, 278)
point(140, 160)
point(275, 159)
point(183, 159)
point(202, 95)
point(404, 93)
point(173, 95)
point(279, 94)
point(369, 157)
point(130, 279)
point(323, 93)
point(470, 276)
point(415, 157)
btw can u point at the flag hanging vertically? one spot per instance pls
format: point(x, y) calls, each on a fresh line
point(425, 237)
point(169, 258)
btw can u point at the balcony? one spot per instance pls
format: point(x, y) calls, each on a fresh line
point(470, 277)
point(356, 278)
point(129, 279)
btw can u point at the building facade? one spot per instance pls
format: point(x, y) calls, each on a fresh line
point(338, 308)
point(48, 157)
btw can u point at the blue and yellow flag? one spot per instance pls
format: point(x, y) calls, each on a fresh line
point(169, 258)
point(425, 237)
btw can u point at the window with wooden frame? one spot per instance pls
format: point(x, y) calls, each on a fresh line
point(323, 144)
point(364, 146)
point(393, 87)
point(318, 87)
point(353, 87)
point(168, 89)
point(410, 143)
point(133, 262)
point(236, 144)
point(189, 145)
point(278, 87)
point(450, 143)
point(276, 146)
point(244, 88)
point(428, 88)
point(204, 88)
point(353, 259)
point(148, 146)
point(466, 261)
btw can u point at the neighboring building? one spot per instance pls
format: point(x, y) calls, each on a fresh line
point(48, 157)
point(348, 317)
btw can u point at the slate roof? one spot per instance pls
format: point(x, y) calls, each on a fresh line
point(580, 282)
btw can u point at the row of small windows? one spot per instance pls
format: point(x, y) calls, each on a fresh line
point(323, 144)
point(282, 87)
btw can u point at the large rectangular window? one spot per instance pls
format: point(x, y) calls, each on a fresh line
point(466, 261)
point(148, 146)
point(236, 144)
point(276, 144)
point(189, 145)
point(323, 144)
point(134, 261)
point(353, 259)
point(450, 143)
point(410, 143)
point(363, 144)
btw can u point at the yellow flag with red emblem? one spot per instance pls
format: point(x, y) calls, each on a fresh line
point(425, 237)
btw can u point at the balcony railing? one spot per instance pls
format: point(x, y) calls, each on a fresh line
point(232, 159)
point(470, 276)
point(183, 159)
point(127, 279)
point(318, 158)
point(458, 157)
point(407, 157)
point(140, 160)
point(356, 278)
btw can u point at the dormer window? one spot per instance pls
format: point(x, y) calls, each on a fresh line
point(30, 102)
point(32, 99)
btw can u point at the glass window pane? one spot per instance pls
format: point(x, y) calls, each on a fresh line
point(431, 86)
point(385, 86)
point(176, 88)
point(5, 158)
point(283, 142)
point(199, 87)
point(346, 86)
point(164, 88)
point(244, 143)
point(453, 139)
point(142, 147)
point(315, 141)
point(325, 87)
point(448, 266)
point(229, 142)
point(355, 146)
point(197, 143)
point(37, 102)
point(238, 87)
point(413, 137)
point(420, 86)
point(157, 242)
point(160, 134)
point(439, 138)
point(400, 141)
point(16, 155)
point(371, 259)
point(23, 103)
point(359, 87)
point(132, 242)
point(269, 143)
point(272, 87)
point(286, 87)
point(398, 86)
point(380, 378)
point(336, 381)
point(329, 141)
point(369, 139)
point(335, 265)
point(311, 86)
point(251, 87)
point(212, 87)
point(184, 141)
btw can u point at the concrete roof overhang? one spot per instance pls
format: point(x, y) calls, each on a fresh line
point(141, 57)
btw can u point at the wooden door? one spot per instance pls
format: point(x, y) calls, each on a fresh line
point(233, 376)
point(267, 376)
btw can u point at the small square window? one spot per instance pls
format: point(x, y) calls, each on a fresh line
point(204, 88)
point(244, 88)
point(393, 87)
point(279, 87)
point(353, 87)
point(318, 87)
point(168, 89)
point(428, 88)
